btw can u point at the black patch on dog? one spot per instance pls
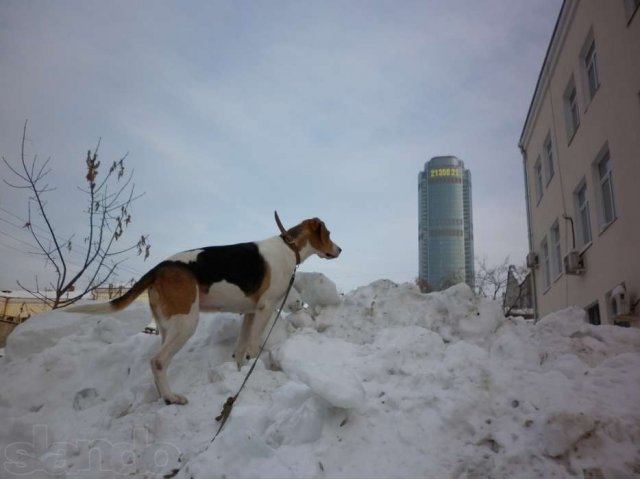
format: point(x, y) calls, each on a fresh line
point(240, 264)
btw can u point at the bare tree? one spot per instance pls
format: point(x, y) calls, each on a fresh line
point(451, 279)
point(448, 281)
point(423, 285)
point(109, 199)
point(491, 281)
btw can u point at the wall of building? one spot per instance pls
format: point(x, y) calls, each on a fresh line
point(611, 119)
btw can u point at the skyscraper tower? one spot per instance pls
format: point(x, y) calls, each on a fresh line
point(445, 223)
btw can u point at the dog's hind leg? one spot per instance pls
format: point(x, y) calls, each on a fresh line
point(179, 330)
point(174, 303)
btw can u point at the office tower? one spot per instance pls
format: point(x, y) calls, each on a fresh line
point(445, 224)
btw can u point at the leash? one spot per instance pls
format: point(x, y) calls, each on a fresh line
point(228, 405)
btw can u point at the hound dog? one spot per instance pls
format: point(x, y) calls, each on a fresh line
point(247, 278)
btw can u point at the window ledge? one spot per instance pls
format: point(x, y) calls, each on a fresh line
point(573, 134)
point(585, 248)
point(632, 16)
point(605, 227)
point(549, 181)
point(591, 99)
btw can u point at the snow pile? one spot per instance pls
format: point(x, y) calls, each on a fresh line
point(388, 382)
point(316, 290)
point(313, 290)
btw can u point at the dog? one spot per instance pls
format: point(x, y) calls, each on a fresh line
point(246, 278)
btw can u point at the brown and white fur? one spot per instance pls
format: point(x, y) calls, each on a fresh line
point(247, 278)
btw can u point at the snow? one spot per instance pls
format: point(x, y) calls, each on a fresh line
point(316, 290)
point(382, 382)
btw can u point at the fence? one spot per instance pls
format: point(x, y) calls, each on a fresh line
point(16, 309)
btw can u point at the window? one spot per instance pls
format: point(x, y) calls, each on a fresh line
point(556, 249)
point(591, 69)
point(593, 314)
point(538, 179)
point(583, 215)
point(546, 271)
point(548, 158)
point(607, 202)
point(571, 109)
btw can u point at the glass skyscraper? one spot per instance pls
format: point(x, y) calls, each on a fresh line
point(445, 224)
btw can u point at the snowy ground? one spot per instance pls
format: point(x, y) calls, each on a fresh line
point(389, 383)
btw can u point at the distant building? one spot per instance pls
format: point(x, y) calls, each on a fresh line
point(15, 308)
point(113, 291)
point(445, 224)
point(518, 297)
point(581, 151)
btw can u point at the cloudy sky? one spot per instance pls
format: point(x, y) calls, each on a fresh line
point(230, 110)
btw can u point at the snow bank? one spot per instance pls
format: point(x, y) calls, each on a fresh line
point(395, 384)
point(316, 290)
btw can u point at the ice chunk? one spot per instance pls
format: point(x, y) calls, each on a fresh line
point(297, 416)
point(316, 290)
point(323, 365)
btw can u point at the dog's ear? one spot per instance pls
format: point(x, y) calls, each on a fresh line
point(320, 229)
point(315, 224)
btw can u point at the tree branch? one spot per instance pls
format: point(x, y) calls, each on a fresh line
point(108, 216)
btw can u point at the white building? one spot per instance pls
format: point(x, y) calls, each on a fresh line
point(581, 151)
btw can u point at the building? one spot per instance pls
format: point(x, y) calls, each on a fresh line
point(18, 306)
point(518, 297)
point(580, 147)
point(15, 308)
point(114, 291)
point(445, 224)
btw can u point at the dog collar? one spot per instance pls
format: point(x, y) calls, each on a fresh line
point(291, 243)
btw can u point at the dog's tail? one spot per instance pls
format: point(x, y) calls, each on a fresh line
point(119, 303)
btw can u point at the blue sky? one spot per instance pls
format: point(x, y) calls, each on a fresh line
point(230, 110)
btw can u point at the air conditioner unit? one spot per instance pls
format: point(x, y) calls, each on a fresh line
point(620, 300)
point(573, 263)
point(532, 260)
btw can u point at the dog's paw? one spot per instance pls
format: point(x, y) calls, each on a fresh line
point(175, 399)
point(252, 351)
point(239, 355)
point(241, 358)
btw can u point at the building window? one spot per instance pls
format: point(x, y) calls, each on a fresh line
point(538, 179)
point(556, 250)
point(583, 215)
point(571, 109)
point(607, 201)
point(591, 69)
point(548, 158)
point(546, 271)
point(593, 314)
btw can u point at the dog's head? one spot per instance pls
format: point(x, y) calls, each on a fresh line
point(315, 233)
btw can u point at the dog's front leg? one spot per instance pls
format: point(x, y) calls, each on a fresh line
point(262, 316)
point(240, 353)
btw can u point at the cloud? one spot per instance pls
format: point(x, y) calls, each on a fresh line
point(318, 108)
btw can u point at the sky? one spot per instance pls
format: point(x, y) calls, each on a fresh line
point(231, 110)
